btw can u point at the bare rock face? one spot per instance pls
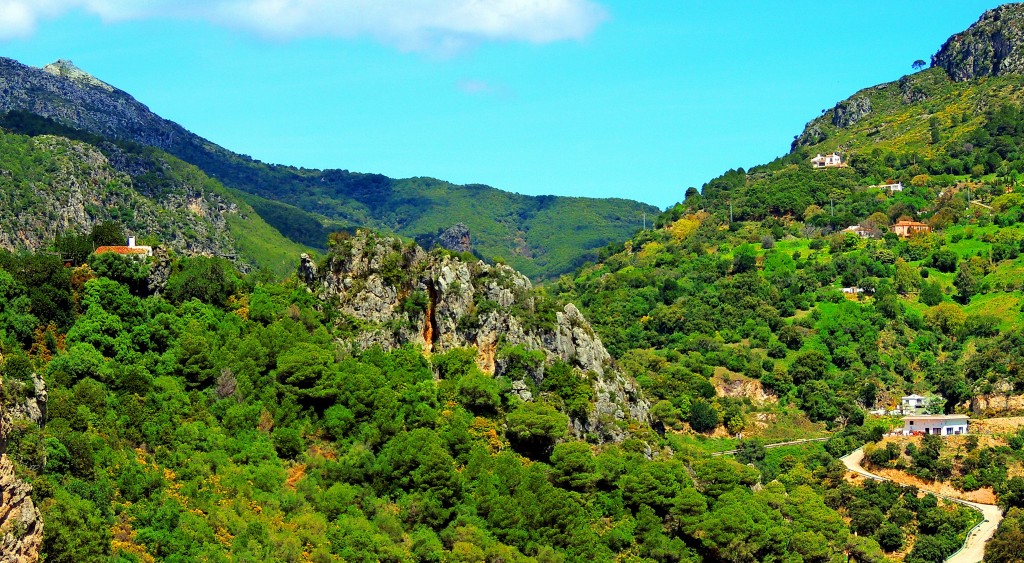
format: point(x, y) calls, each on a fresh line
point(993, 46)
point(848, 112)
point(400, 294)
point(34, 406)
point(21, 525)
point(456, 238)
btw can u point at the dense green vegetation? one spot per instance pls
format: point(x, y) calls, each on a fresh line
point(226, 419)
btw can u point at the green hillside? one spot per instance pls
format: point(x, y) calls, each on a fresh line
point(57, 182)
point(231, 419)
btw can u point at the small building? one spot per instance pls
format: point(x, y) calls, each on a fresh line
point(861, 231)
point(937, 424)
point(131, 249)
point(914, 404)
point(907, 228)
point(832, 160)
point(892, 187)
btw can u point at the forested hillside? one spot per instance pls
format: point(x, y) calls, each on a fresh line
point(57, 181)
point(231, 418)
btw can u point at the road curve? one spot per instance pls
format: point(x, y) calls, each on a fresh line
point(973, 550)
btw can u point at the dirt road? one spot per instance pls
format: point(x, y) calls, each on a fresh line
point(973, 550)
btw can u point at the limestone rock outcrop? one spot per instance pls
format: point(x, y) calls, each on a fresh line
point(21, 525)
point(456, 238)
point(398, 294)
point(993, 46)
point(848, 112)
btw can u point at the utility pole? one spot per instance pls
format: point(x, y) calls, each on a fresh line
point(831, 207)
point(730, 211)
point(645, 220)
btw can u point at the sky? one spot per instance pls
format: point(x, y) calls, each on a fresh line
point(598, 98)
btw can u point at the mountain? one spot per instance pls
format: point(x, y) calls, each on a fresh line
point(55, 181)
point(952, 123)
point(788, 286)
point(543, 236)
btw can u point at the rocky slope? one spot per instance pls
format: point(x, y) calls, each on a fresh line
point(21, 525)
point(394, 293)
point(544, 236)
point(899, 115)
point(993, 46)
point(51, 184)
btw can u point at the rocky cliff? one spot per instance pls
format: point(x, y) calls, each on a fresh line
point(21, 525)
point(395, 293)
point(993, 46)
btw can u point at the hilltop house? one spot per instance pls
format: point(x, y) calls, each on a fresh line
point(907, 228)
point(938, 424)
point(832, 160)
point(131, 249)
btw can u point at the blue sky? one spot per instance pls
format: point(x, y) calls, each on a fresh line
point(604, 98)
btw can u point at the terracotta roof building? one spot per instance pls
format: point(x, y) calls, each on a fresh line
point(907, 228)
point(130, 249)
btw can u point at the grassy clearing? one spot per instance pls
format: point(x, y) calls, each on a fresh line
point(1004, 306)
point(263, 245)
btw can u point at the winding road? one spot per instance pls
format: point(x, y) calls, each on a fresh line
point(973, 550)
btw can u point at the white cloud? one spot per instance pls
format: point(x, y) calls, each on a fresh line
point(442, 25)
point(484, 88)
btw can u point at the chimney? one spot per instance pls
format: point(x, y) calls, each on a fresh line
point(131, 242)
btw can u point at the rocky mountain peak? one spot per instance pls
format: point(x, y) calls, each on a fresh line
point(993, 46)
point(67, 69)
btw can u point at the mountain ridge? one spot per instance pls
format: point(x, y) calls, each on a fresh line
point(524, 230)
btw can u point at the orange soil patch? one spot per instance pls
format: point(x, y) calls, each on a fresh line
point(1003, 425)
point(984, 495)
point(295, 474)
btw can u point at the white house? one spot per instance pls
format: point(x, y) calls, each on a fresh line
point(858, 230)
point(892, 187)
point(832, 160)
point(940, 424)
point(914, 404)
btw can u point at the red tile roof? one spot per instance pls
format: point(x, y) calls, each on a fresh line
point(122, 250)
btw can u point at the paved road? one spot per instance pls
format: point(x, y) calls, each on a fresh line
point(974, 548)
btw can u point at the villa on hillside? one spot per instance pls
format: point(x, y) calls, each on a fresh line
point(914, 404)
point(862, 232)
point(938, 424)
point(131, 249)
point(907, 228)
point(892, 187)
point(832, 160)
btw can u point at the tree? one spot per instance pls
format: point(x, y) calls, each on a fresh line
point(931, 293)
point(808, 366)
point(918, 64)
point(966, 282)
point(703, 416)
point(535, 428)
point(210, 280)
point(107, 233)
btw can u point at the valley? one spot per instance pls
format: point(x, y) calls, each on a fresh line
point(204, 357)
